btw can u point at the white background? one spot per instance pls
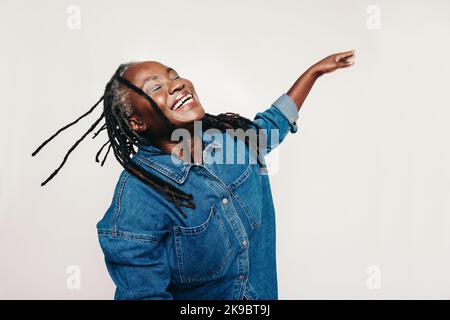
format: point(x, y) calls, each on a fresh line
point(364, 182)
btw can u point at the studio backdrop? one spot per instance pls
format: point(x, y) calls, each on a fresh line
point(362, 190)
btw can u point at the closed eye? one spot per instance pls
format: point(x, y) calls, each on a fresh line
point(157, 87)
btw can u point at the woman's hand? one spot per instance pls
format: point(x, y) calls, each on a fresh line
point(333, 62)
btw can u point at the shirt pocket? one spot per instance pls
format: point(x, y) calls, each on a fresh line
point(247, 191)
point(202, 251)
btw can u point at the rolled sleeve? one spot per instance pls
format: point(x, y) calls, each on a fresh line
point(277, 121)
point(288, 107)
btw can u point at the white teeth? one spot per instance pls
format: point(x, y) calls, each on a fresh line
point(186, 98)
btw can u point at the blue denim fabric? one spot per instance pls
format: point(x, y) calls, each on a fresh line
point(225, 249)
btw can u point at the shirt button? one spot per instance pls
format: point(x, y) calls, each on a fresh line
point(224, 200)
point(244, 243)
point(241, 277)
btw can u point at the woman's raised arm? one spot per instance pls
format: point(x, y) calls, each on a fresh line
point(300, 89)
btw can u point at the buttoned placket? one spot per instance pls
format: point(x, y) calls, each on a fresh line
point(237, 226)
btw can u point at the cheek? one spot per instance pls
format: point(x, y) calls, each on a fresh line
point(160, 100)
point(150, 113)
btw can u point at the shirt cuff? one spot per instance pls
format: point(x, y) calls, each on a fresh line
point(288, 107)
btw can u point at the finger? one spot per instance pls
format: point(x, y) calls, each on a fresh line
point(344, 55)
point(347, 64)
point(348, 59)
point(347, 56)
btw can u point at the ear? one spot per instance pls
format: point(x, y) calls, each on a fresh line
point(137, 124)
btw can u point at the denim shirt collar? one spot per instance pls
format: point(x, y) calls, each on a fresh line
point(170, 165)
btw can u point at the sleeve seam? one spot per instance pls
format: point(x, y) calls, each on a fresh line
point(129, 236)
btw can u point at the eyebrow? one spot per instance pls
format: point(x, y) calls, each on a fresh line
point(154, 76)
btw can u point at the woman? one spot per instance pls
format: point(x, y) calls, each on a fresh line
point(190, 228)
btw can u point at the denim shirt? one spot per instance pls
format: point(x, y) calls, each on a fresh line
point(224, 249)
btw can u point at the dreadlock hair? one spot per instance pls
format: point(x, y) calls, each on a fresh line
point(122, 139)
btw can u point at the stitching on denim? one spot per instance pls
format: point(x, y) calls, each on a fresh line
point(178, 252)
point(253, 222)
point(200, 228)
point(243, 177)
point(167, 256)
point(129, 236)
point(156, 166)
point(233, 186)
point(118, 200)
point(213, 186)
point(252, 291)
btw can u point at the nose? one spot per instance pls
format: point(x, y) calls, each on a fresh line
point(175, 85)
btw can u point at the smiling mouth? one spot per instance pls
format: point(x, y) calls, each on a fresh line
point(184, 103)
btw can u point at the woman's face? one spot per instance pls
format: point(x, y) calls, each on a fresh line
point(166, 87)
